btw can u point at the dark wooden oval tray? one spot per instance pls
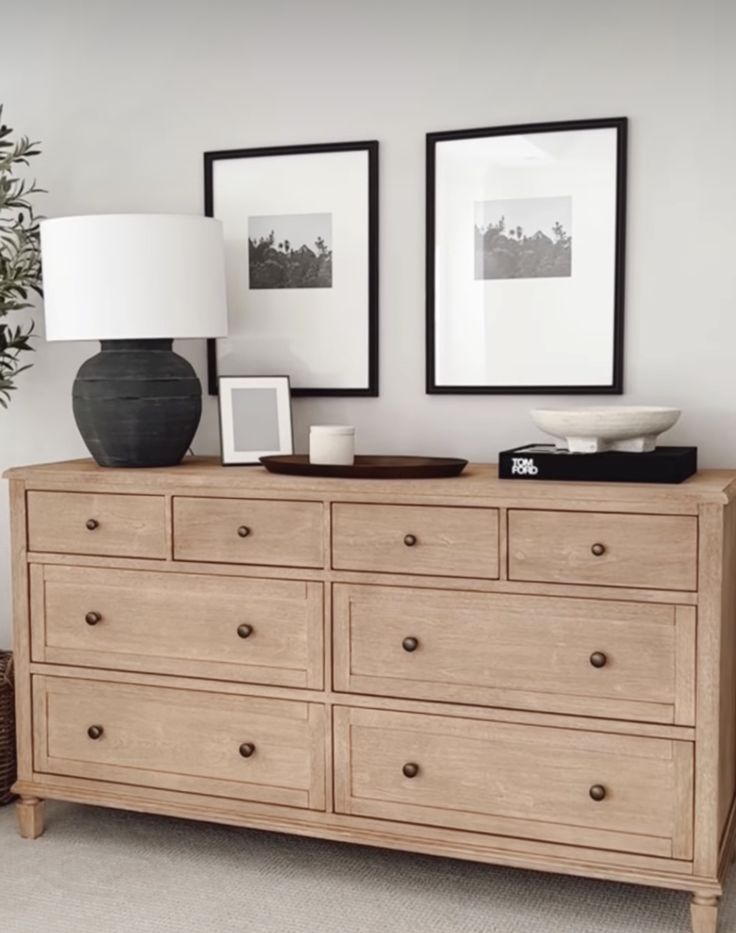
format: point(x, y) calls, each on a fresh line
point(366, 467)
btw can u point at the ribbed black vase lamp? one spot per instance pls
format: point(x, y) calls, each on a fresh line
point(135, 282)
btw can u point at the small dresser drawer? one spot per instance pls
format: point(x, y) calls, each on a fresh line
point(249, 531)
point(445, 541)
point(246, 748)
point(104, 524)
point(226, 628)
point(625, 793)
point(608, 549)
point(580, 656)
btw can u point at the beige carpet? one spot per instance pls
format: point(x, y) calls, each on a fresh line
point(106, 871)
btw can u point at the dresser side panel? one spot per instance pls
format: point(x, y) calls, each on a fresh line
point(708, 690)
point(21, 629)
point(727, 758)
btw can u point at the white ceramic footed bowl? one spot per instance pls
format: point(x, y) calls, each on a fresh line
point(594, 428)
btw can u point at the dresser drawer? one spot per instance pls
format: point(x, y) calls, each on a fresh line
point(248, 531)
point(254, 631)
point(611, 549)
point(581, 656)
point(437, 540)
point(246, 748)
point(532, 782)
point(105, 524)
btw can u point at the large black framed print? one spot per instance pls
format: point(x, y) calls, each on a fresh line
point(525, 258)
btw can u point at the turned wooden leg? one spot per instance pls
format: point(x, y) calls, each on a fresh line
point(704, 910)
point(30, 817)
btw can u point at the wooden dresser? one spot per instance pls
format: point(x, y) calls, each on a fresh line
point(540, 675)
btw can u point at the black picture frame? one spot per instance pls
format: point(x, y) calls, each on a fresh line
point(371, 148)
point(616, 386)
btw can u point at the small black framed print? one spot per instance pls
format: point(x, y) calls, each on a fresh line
point(301, 255)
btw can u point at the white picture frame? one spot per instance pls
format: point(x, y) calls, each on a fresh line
point(255, 418)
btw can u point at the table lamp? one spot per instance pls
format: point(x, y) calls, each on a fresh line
point(135, 282)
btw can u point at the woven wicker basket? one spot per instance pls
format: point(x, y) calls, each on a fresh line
point(7, 727)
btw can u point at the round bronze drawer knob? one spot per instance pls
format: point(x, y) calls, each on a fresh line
point(95, 732)
point(245, 630)
point(247, 749)
point(410, 769)
point(598, 793)
point(598, 550)
point(92, 618)
point(244, 531)
point(410, 644)
point(91, 524)
point(410, 540)
point(598, 659)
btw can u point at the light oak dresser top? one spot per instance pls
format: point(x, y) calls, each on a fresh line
point(479, 485)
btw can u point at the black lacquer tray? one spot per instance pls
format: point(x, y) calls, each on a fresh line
point(367, 467)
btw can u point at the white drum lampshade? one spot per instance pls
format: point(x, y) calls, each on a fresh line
point(135, 282)
point(133, 277)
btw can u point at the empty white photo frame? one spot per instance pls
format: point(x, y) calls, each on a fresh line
point(255, 418)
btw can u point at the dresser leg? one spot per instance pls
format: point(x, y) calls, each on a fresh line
point(704, 910)
point(30, 817)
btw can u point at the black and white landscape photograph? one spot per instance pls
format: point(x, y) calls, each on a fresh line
point(523, 238)
point(290, 251)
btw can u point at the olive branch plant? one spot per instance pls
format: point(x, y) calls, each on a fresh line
point(20, 254)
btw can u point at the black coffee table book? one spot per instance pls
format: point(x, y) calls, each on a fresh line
point(545, 461)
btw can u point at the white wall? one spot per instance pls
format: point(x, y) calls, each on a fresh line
point(126, 96)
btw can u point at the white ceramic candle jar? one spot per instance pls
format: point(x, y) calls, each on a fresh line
point(332, 443)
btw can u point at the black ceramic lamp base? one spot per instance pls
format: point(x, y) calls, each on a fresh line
point(137, 404)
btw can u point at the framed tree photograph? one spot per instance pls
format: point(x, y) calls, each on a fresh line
point(301, 251)
point(525, 258)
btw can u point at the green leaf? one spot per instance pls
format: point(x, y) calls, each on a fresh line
point(20, 252)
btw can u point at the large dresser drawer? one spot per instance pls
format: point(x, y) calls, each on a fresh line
point(226, 628)
point(437, 540)
point(625, 793)
point(610, 549)
point(581, 656)
point(104, 524)
point(248, 531)
point(246, 748)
